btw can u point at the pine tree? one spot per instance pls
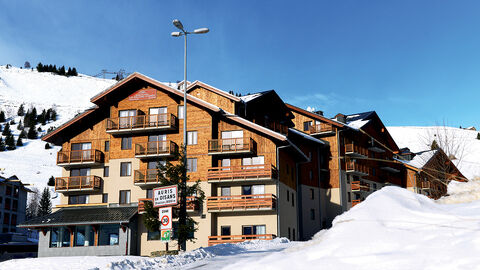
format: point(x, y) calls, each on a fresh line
point(74, 72)
point(21, 110)
point(40, 67)
point(53, 115)
point(12, 122)
point(61, 71)
point(51, 181)
point(27, 119)
point(19, 142)
point(478, 136)
point(10, 142)
point(45, 205)
point(69, 72)
point(6, 130)
point(32, 132)
point(2, 116)
point(47, 146)
point(20, 125)
point(2, 145)
point(23, 134)
point(33, 115)
point(434, 145)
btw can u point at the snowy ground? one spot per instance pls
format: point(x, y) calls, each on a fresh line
point(392, 229)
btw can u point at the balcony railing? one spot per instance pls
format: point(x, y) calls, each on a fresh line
point(77, 183)
point(139, 123)
point(321, 128)
point(353, 149)
point(242, 203)
point(231, 146)
point(222, 239)
point(360, 186)
point(355, 202)
point(242, 173)
point(80, 157)
point(146, 177)
point(155, 149)
point(425, 185)
point(357, 169)
point(192, 204)
point(277, 127)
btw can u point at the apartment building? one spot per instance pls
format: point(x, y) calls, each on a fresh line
point(240, 148)
point(13, 202)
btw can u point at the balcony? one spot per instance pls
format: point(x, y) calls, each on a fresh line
point(356, 169)
point(242, 173)
point(222, 239)
point(231, 146)
point(277, 127)
point(74, 158)
point(155, 149)
point(142, 123)
point(192, 204)
point(77, 183)
point(236, 203)
point(355, 202)
point(146, 177)
point(426, 185)
point(359, 186)
point(321, 128)
point(354, 150)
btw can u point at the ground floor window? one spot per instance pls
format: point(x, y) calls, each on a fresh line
point(78, 199)
point(153, 235)
point(253, 229)
point(59, 237)
point(225, 230)
point(108, 235)
point(84, 236)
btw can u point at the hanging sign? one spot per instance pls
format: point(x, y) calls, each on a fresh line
point(165, 196)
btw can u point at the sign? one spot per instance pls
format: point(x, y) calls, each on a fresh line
point(165, 196)
point(143, 94)
point(166, 235)
point(165, 216)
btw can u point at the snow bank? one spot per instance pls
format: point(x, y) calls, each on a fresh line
point(462, 192)
point(392, 229)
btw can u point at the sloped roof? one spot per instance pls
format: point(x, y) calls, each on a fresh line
point(314, 115)
point(358, 120)
point(420, 159)
point(307, 137)
point(83, 215)
point(248, 98)
point(213, 89)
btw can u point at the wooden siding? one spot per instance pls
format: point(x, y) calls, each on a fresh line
point(226, 104)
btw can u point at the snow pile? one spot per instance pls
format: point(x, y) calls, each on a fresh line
point(392, 229)
point(462, 192)
point(463, 141)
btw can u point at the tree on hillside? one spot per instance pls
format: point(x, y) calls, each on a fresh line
point(51, 181)
point(20, 125)
point(23, 134)
point(19, 142)
point(61, 71)
point(47, 146)
point(21, 110)
point(434, 145)
point(45, 204)
point(32, 132)
point(2, 116)
point(40, 67)
point(26, 65)
point(2, 145)
point(6, 130)
point(10, 142)
point(478, 136)
point(33, 204)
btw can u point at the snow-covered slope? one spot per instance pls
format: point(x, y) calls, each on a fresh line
point(68, 95)
point(420, 139)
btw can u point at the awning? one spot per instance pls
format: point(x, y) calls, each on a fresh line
point(83, 216)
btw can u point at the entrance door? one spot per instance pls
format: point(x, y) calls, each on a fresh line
point(157, 144)
point(81, 152)
point(127, 118)
point(232, 140)
point(157, 116)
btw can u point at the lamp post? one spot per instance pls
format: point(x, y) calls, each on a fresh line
point(183, 198)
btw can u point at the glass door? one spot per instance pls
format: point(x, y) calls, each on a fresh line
point(126, 118)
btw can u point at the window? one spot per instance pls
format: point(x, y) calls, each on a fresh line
point(126, 118)
point(149, 193)
point(307, 125)
point(225, 191)
point(288, 195)
point(253, 229)
point(374, 173)
point(191, 164)
point(59, 237)
point(124, 197)
point(13, 220)
point(312, 194)
point(108, 234)
point(293, 199)
point(84, 236)
point(78, 199)
point(310, 174)
point(180, 112)
point(107, 146)
point(289, 234)
point(192, 137)
point(293, 234)
point(126, 143)
point(374, 186)
point(15, 205)
point(80, 172)
point(8, 203)
point(106, 171)
point(8, 190)
point(349, 196)
point(153, 235)
point(125, 168)
point(253, 189)
point(16, 192)
point(225, 230)
point(6, 218)
point(260, 160)
point(312, 214)
point(105, 198)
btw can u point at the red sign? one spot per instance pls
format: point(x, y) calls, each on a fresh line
point(143, 94)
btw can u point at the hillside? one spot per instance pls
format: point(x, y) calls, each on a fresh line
point(68, 95)
point(420, 139)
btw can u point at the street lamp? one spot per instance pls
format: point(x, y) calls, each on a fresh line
point(183, 199)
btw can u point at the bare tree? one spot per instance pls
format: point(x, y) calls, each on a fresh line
point(33, 203)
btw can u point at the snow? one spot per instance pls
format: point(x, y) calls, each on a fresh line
point(248, 98)
point(420, 139)
point(357, 124)
point(32, 163)
point(421, 159)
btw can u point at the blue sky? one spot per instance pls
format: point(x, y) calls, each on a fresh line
point(414, 62)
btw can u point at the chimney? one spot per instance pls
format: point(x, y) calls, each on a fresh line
point(319, 113)
point(341, 118)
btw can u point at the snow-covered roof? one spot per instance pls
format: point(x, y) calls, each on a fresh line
point(420, 159)
point(357, 121)
point(306, 136)
point(248, 98)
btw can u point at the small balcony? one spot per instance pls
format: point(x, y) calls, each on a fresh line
point(222, 239)
point(354, 150)
point(356, 169)
point(242, 173)
point(155, 149)
point(355, 202)
point(321, 128)
point(193, 204)
point(142, 123)
point(238, 203)
point(359, 186)
point(146, 177)
point(77, 183)
point(231, 146)
point(77, 158)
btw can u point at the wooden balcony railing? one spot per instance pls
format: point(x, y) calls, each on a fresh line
point(360, 186)
point(242, 202)
point(355, 168)
point(355, 150)
point(77, 183)
point(142, 122)
point(320, 128)
point(146, 177)
point(192, 204)
point(277, 127)
point(426, 185)
point(80, 157)
point(241, 173)
point(234, 145)
point(355, 202)
point(155, 149)
point(222, 239)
